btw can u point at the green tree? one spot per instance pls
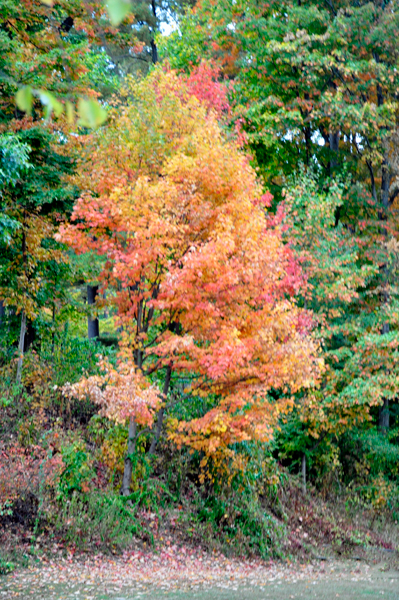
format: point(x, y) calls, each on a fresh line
point(30, 258)
point(313, 82)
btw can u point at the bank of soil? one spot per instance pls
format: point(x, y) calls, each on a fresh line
point(180, 573)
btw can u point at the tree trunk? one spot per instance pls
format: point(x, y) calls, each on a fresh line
point(154, 49)
point(158, 426)
point(53, 331)
point(334, 147)
point(30, 335)
point(106, 313)
point(386, 176)
point(308, 143)
point(21, 347)
point(383, 417)
point(154, 52)
point(304, 473)
point(93, 328)
point(131, 447)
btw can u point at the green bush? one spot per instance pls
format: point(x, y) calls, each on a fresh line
point(77, 472)
point(97, 519)
point(239, 523)
point(71, 357)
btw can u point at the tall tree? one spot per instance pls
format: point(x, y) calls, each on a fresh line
point(310, 79)
point(31, 206)
point(205, 285)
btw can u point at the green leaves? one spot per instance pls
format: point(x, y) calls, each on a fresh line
point(117, 10)
point(91, 113)
point(24, 99)
point(14, 160)
point(50, 103)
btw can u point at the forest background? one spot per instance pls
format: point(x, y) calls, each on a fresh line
point(198, 275)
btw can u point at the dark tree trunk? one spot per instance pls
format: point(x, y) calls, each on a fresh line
point(154, 52)
point(21, 346)
point(53, 331)
point(22, 332)
point(2, 312)
point(154, 49)
point(161, 413)
point(131, 447)
point(383, 417)
point(30, 335)
point(93, 327)
point(334, 148)
point(304, 473)
point(308, 144)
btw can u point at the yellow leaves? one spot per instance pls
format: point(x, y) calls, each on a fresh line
point(175, 209)
point(28, 250)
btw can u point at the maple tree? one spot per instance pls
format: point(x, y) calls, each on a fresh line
point(204, 283)
point(314, 88)
point(57, 60)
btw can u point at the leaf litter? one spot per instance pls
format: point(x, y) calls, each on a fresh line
point(174, 568)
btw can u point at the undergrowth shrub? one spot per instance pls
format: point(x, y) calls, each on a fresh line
point(72, 357)
point(78, 472)
point(239, 523)
point(369, 453)
point(229, 513)
point(371, 471)
point(97, 519)
point(27, 475)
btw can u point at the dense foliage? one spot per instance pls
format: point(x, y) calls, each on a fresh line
point(223, 227)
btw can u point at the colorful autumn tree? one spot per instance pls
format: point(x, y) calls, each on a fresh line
point(204, 285)
point(344, 293)
point(338, 282)
point(315, 84)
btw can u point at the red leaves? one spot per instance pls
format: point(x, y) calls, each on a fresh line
point(203, 83)
point(25, 470)
point(191, 254)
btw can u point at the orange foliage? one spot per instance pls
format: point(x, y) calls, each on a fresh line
point(204, 283)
